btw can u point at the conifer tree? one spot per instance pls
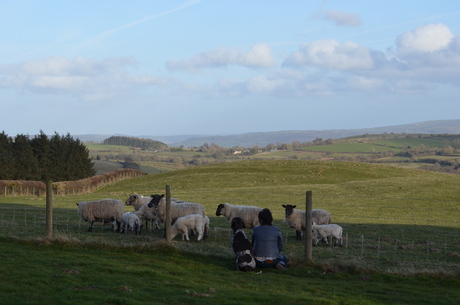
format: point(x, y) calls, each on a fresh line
point(6, 157)
point(25, 164)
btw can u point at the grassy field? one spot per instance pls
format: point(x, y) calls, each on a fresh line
point(401, 229)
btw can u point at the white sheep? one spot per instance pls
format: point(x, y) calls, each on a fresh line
point(322, 232)
point(296, 218)
point(249, 214)
point(148, 214)
point(195, 222)
point(137, 201)
point(177, 208)
point(104, 210)
point(130, 221)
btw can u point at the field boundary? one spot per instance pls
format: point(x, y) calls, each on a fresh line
point(13, 188)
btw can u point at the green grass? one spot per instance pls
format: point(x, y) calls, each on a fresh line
point(401, 229)
point(65, 273)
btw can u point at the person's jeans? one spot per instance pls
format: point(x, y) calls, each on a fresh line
point(271, 263)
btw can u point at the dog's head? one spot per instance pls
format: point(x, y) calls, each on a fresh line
point(237, 223)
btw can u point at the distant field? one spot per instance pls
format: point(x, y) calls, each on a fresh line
point(350, 148)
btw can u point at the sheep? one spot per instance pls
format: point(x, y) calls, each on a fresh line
point(145, 214)
point(130, 221)
point(185, 223)
point(178, 208)
point(322, 232)
point(242, 247)
point(137, 201)
point(296, 218)
point(104, 210)
point(249, 214)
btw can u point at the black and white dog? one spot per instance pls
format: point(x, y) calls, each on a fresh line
point(242, 247)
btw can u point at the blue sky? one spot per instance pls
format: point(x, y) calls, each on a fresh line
point(226, 67)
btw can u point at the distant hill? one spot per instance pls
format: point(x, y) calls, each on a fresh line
point(264, 138)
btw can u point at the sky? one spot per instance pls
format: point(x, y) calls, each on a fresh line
point(224, 67)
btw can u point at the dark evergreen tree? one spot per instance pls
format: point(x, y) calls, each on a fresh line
point(25, 164)
point(42, 151)
point(6, 157)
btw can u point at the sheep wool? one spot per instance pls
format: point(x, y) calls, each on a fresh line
point(104, 210)
point(195, 222)
point(249, 214)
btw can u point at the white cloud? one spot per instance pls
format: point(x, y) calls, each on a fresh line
point(80, 77)
point(264, 84)
point(259, 56)
point(340, 17)
point(428, 38)
point(330, 54)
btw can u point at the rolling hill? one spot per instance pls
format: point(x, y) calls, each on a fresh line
point(264, 138)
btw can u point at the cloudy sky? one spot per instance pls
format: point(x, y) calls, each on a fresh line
point(203, 67)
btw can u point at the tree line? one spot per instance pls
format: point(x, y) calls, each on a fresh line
point(42, 158)
point(135, 142)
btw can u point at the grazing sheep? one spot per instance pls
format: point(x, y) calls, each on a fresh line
point(296, 218)
point(190, 222)
point(242, 247)
point(178, 208)
point(104, 210)
point(130, 221)
point(322, 232)
point(148, 214)
point(249, 214)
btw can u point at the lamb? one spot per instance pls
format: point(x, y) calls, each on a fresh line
point(322, 232)
point(296, 218)
point(249, 214)
point(130, 221)
point(196, 222)
point(104, 210)
point(178, 208)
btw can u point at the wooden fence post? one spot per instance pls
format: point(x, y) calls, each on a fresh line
point(168, 214)
point(308, 233)
point(49, 209)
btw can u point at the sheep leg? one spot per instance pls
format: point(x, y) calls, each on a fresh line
point(298, 235)
point(90, 229)
point(200, 235)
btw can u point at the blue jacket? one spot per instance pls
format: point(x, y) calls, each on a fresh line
point(267, 242)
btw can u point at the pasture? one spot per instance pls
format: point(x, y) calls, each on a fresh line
point(401, 229)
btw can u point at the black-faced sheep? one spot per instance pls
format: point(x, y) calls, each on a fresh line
point(242, 247)
point(130, 222)
point(104, 210)
point(195, 222)
point(322, 232)
point(295, 218)
point(249, 214)
point(178, 208)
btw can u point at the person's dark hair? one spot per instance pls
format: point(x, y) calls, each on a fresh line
point(265, 217)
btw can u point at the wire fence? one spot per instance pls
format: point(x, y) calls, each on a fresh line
point(398, 235)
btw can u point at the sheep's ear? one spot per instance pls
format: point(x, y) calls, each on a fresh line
point(77, 203)
point(284, 206)
point(294, 206)
point(162, 195)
